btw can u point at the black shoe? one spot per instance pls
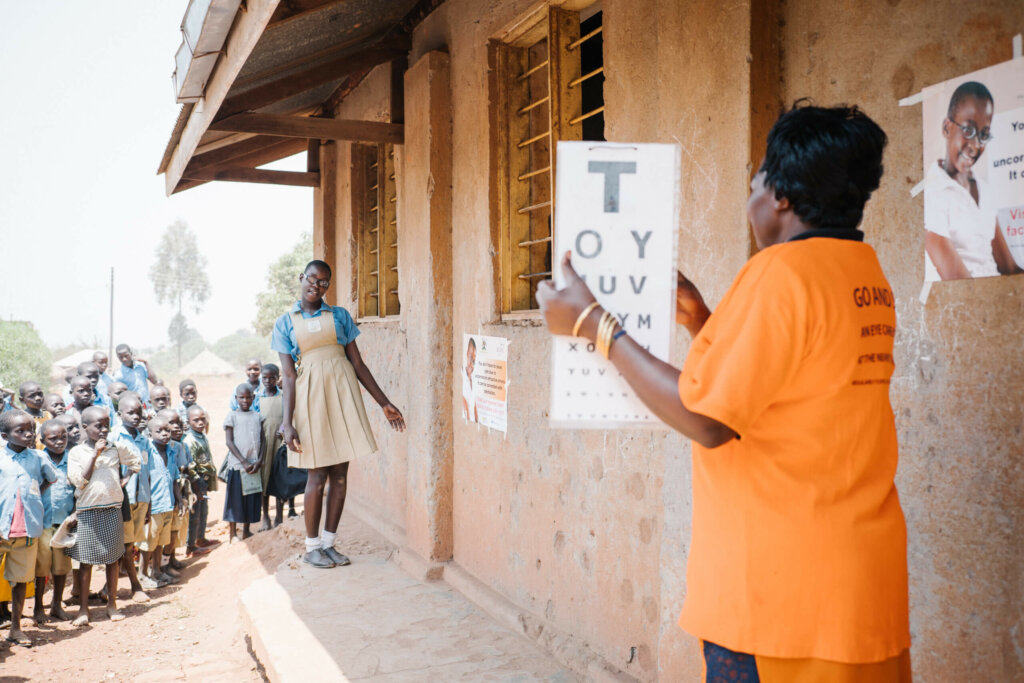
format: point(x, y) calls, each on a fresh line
point(318, 558)
point(175, 563)
point(336, 557)
point(292, 513)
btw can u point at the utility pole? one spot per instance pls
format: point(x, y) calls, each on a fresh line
point(110, 338)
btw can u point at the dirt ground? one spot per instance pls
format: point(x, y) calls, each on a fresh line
point(188, 631)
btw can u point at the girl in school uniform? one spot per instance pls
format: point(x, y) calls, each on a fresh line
point(325, 423)
point(243, 432)
point(94, 468)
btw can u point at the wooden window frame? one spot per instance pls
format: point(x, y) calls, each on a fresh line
point(375, 215)
point(524, 149)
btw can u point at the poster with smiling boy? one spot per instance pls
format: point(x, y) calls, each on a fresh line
point(974, 174)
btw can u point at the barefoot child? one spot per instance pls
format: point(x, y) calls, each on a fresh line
point(245, 445)
point(271, 411)
point(128, 435)
point(94, 467)
point(162, 471)
point(23, 475)
point(58, 503)
point(203, 475)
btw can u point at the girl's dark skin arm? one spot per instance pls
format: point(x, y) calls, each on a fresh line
point(655, 381)
point(99, 447)
point(259, 461)
point(291, 437)
point(229, 437)
point(392, 413)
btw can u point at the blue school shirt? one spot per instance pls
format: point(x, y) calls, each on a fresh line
point(104, 384)
point(138, 483)
point(283, 338)
point(136, 378)
point(59, 498)
point(23, 473)
point(161, 479)
point(183, 455)
point(260, 391)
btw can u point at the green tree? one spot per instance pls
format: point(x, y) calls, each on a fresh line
point(23, 355)
point(282, 285)
point(239, 347)
point(179, 276)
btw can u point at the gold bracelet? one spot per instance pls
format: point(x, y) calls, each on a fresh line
point(605, 329)
point(583, 316)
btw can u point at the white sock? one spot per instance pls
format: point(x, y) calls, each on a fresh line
point(327, 538)
point(312, 544)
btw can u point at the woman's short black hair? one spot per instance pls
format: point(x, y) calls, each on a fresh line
point(826, 162)
point(322, 265)
point(965, 90)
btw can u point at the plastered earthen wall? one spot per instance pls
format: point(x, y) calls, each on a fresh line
point(586, 532)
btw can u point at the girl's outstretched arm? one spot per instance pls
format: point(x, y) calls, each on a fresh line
point(393, 415)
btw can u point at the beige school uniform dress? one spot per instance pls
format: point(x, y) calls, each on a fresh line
point(329, 413)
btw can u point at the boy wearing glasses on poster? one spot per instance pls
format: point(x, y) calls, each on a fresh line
point(963, 239)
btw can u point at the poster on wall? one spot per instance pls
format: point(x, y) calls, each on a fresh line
point(617, 211)
point(973, 130)
point(485, 381)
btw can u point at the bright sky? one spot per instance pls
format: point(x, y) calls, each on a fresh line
point(87, 110)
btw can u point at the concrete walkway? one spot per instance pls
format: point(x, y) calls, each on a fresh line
point(372, 621)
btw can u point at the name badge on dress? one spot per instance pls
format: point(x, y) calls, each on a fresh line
point(313, 324)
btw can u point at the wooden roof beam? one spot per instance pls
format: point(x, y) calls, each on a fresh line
point(313, 128)
point(256, 175)
point(240, 153)
point(294, 84)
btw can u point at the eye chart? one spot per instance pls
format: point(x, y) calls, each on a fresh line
point(617, 211)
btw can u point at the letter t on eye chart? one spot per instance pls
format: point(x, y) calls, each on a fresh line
point(617, 211)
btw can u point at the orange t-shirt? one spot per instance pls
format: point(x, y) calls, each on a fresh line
point(799, 544)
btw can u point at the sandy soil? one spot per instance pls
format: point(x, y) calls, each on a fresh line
point(189, 631)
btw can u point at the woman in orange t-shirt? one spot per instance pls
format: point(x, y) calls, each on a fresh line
point(797, 568)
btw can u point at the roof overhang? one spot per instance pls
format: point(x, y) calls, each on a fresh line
point(286, 65)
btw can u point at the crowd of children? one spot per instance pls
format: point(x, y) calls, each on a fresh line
point(109, 473)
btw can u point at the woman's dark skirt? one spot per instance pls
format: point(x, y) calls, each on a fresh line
point(100, 536)
point(239, 508)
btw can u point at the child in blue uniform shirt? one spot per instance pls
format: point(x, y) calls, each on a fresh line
point(135, 373)
point(24, 474)
point(253, 370)
point(128, 435)
point(58, 504)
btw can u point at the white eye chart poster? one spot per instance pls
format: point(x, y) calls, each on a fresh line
point(484, 371)
point(617, 211)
